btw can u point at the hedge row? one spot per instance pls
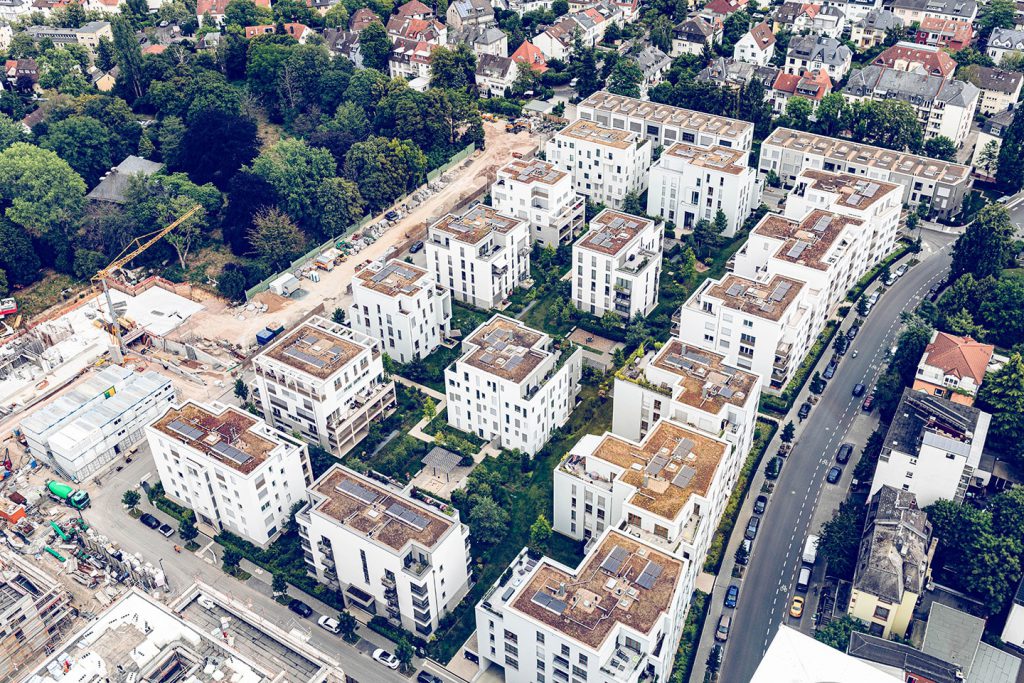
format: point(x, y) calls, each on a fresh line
point(870, 276)
point(687, 652)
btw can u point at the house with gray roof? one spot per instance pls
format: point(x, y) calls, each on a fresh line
point(944, 106)
point(1005, 41)
point(807, 53)
point(114, 183)
point(469, 13)
point(919, 10)
point(653, 65)
point(734, 74)
point(871, 29)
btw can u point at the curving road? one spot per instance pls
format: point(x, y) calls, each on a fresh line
point(775, 558)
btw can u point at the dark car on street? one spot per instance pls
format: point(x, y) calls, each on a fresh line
point(301, 608)
point(752, 527)
point(805, 410)
point(773, 468)
point(858, 390)
point(731, 595)
point(416, 246)
point(851, 333)
point(834, 474)
point(150, 521)
point(830, 369)
point(843, 455)
point(760, 503)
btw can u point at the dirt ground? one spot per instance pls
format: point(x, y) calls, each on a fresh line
point(239, 325)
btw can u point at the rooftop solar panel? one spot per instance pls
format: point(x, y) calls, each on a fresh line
point(656, 465)
point(796, 250)
point(550, 602)
point(185, 430)
point(780, 291)
point(358, 492)
point(616, 558)
point(232, 453)
point(408, 516)
point(683, 448)
point(685, 476)
point(734, 290)
point(303, 357)
point(822, 223)
point(649, 575)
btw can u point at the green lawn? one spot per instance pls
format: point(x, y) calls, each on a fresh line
point(430, 370)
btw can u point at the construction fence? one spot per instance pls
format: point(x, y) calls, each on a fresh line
point(301, 261)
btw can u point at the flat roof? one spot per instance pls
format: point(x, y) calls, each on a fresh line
point(722, 159)
point(675, 462)
point(667, 114)
point(367, 508)
point(611, 231)
point(853, 192)
point(622, 581)
point(867, 155)
point(529, 171)
point(807, 241)
point(588, 131)
point(476, 224)
point(506, 348)
point(765, 300)
point(228, 436)
point(392, 278)
point(794, 657)
point(313, 349)
point(706, 380)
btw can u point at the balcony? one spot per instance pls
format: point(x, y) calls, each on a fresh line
point(418, 590)
point(689, 530)
point(574, 465)
point(415, 568)
point(498, 271)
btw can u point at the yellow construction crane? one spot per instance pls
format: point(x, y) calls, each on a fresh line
point(134, 248)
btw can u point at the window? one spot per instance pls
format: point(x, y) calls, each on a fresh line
point(881, 613)
point(509, 661)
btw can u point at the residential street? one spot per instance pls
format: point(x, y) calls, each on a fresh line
point(771, 574)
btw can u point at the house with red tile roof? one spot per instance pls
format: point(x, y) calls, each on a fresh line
point(530, 55)
point(216, 8)
point(811, 85)
point(720, 9)
point(299, 32)
point(361, 18)
point(953, 367)
point(911, 57)
point(757, 46)
point(952, 34)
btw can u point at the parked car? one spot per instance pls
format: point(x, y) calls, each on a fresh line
point(416, 246)
point(858, 390)
point(752, 526)
point(732, 594)
point(890, 280)
point(722, 632)
point(805, 410)
point(834, 474)
point(150, 521)
point(329, 624)
point(386, 658)
point(427, 677)
point(716, 655)
point(796, 608)
point(206, 603)
point(391, 215)
point(901, 271)
point(851, 333)
point(167, 530)
point(773, 468)
point(843, 455)
point(830, 370)
point(746, 545)
point(760, 503)
point(868, 403)
point(300, 608)
point(933, 291)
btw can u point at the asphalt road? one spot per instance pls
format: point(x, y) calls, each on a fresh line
point(775, 558)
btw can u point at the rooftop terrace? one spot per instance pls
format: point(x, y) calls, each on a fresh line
point(529, 171)
point(475, 224)
point(722, 159)
point(667, 114)
point(227, 437)
point(393, 278)
point(313, 349)
point(612, 231)
point(620, 582)
point(855, 193)
point(706, 381)
point(768, 300)
point(805, 242)
point(367, 508)
point(588, 131)
point(506, 348)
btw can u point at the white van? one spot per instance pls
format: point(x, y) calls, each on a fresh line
point(804, 580)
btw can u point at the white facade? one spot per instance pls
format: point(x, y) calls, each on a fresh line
point(605, 164)
point(400, 305)
point(538, 192)
point(616, 265)
point(756, 46)
point(690, 386)
point(544, 624)
point(390, 554)
point(96, 421)
point(513, 384)
point(324, 381)
point(481, 255)
point(932, 448)
point(690, 183)
point(237, 473)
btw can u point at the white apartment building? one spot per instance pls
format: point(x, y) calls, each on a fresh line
point(390, 555)
point(664, 124)
point(617, 265)
point(235, 471)
point(325, 381)
point(618, 616)
point(690, 183)
point(400, 305)
point(932, 449)
point(939, 184)
point(605, 164)
point(94, 422)
point(756, 46)
point(480, 256)
point(512, 383)
point(765, 326)
point(538, 192)
point(690, 386)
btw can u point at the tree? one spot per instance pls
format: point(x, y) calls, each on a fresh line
point(996, 14)
point(128, 56)
point(886, 123)
point(246, 13)
point(18, 258)
point(661, 33)
point(275, 239)
point(1002, 394)
point(338, 316)
point(839, 540)
point(817, 383)
point(453, 68)
point(940, 147)
point(375, 47)
point(984, 248)
point(215, 145)
point(1010, 170)
point(540, 535)
point(832, 114)
point(187, 528)
point(488, 523)
point(742, 555)
point(384, 169)
point(583, 67)
point(625, 78)
point(705, 237)
point(836, 633)
point(404, 654)
point(231, 559)
point(84, 143)
point(988, 159)
point(241, 389)
point(131, 498)
point(106, 56)
point(347, 624)
point(295, 171)
point(279, 584)
point(61, 69)
point(788, 432)
point(11, 131)
point(631, 204)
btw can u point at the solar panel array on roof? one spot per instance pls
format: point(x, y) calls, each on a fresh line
point(734, 289)
point(649, 575)
point(393, 269)
point(780, 291)
point(304, 357)
point(726, 391)
point(413, 519)
point(683, 448)
point(822, 223)
point(656, 465)
point(616, 558)
point(550, 602)
point(232, 453)
point(513, 362)
point(697, 357)
point(185, 430)
point(797, 249)
point(685, 476)
point(358, 492)
point(310, 339)
point(677, 361)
